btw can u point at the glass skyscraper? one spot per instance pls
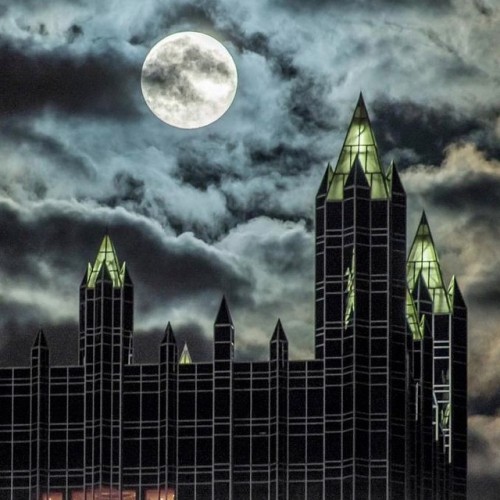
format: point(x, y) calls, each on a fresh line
point(379, 413)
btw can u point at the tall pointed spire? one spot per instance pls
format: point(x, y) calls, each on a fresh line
point(423, 260)
point(107, 257)
point(223, 316)
point(359, 143)
point(185, 358)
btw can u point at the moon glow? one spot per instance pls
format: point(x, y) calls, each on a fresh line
point(189, 80)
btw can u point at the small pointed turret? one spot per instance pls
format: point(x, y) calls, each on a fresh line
point(40, 350)
point(40, 340)
point(279, 333)
point(356, 176)
point(325, 182)
point(168, 346)
point(455, 294)
point(223, 334)
point(168, 338)
point(107, 257)
point(185, 358)
point(423, 260)
point(223, 316)
point(393, 180)
point(279, 344)
point(359, 144)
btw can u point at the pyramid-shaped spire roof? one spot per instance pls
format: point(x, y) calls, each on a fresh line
point(423, 260)
point(455, 294)
point(185, 358)
point(279, 333)
point(394, 183)
point(223, 316)
point(359, 144)
point(106, 256)
point(40, 340)
point(168, 338)
point(325, 182)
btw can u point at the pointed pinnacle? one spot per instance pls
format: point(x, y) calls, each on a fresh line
point(106, 256)
point(185, 358)
point(360, 111)
point(423, 219)
point(169, 335)
point(279, 332)
point(223, 316)
point(40, 340)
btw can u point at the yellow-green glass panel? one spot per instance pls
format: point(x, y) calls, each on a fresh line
point(351, 291)
point(423, 260)
point(185, 358)
point(416, 326)
point(359, 143)
point(107, 257)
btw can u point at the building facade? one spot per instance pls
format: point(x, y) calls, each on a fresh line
point(379, 413)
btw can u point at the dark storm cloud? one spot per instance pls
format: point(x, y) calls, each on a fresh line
point(73, 33)
point(427, 130)
point(484, 403)
point(147, 343)
point(486, 294)
point(480, 193)
point(165, 271)
point(98, 84)
point(309, 107)
point(18, 337)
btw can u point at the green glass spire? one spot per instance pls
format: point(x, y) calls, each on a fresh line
point(416, 325)
point(359, 143)
point(423, 260)
point(185, 358)
point(107, 257)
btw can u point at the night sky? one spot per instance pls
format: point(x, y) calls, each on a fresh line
point(228, 208)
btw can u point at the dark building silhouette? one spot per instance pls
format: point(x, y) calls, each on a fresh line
point(380, 413)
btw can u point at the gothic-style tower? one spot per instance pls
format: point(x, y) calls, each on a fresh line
point(442, 311)
point(106, 323)
point(360, 321)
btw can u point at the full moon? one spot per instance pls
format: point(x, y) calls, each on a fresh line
point(189, 80)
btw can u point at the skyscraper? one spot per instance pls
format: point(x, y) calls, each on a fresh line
point(379, 413)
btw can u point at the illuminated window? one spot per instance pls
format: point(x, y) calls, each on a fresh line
point(161, 494)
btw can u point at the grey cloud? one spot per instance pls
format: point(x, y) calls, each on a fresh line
point(483, 7)
point(166, 270)
point(441, 5)
point(74, 32)
point(19, 134)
